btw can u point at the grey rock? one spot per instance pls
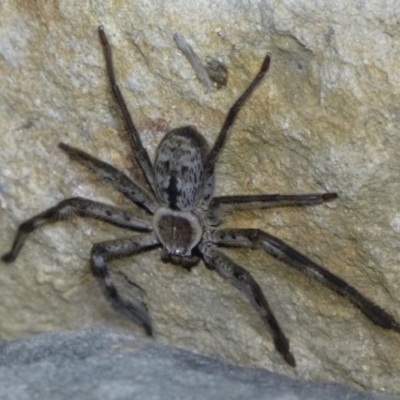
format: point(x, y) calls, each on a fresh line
point(103, 364)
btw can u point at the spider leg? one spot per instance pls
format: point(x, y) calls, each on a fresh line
point(244, 202)
point(112, 249)
point(230, 119)
point(79, 206)
point(118, 179)
point(255, 238)
point(138, 150)
point(275, 200)
point(242, 279)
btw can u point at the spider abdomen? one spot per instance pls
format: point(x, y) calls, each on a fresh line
point(179, 168)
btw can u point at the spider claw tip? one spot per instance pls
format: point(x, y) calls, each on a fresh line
point(102, 35)
point(63, 146)
point(148, 329)
point(266, 63)
point(289, 358)
point(329, 196)
point(8, 257)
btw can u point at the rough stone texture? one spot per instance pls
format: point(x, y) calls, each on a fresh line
point(325, 118)
point(101, 364)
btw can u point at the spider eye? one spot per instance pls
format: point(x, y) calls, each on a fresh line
point(181, 252)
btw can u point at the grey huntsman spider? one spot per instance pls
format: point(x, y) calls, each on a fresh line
point(185, 216)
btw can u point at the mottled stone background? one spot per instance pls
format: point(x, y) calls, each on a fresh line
point(326, 118)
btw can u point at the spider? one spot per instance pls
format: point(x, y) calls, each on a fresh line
point(186, 215)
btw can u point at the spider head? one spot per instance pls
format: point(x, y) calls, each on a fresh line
point(179, 232)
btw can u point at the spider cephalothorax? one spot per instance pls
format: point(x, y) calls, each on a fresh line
point(185, 215)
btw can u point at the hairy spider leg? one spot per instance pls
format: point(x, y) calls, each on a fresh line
point(232, 114)
point(110, 250)
point(81, 207)
point(245, 202)
point(242, 280)
point(110, 174)
point(212, 156)
point(274, 200)
point(255, 238)
point(140, 153)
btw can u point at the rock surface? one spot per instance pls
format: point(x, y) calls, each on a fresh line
point(102, 364)
point(326, 118)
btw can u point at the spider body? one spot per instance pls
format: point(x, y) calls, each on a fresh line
point(179, 168)
point(179, 173)
point(185, 215)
